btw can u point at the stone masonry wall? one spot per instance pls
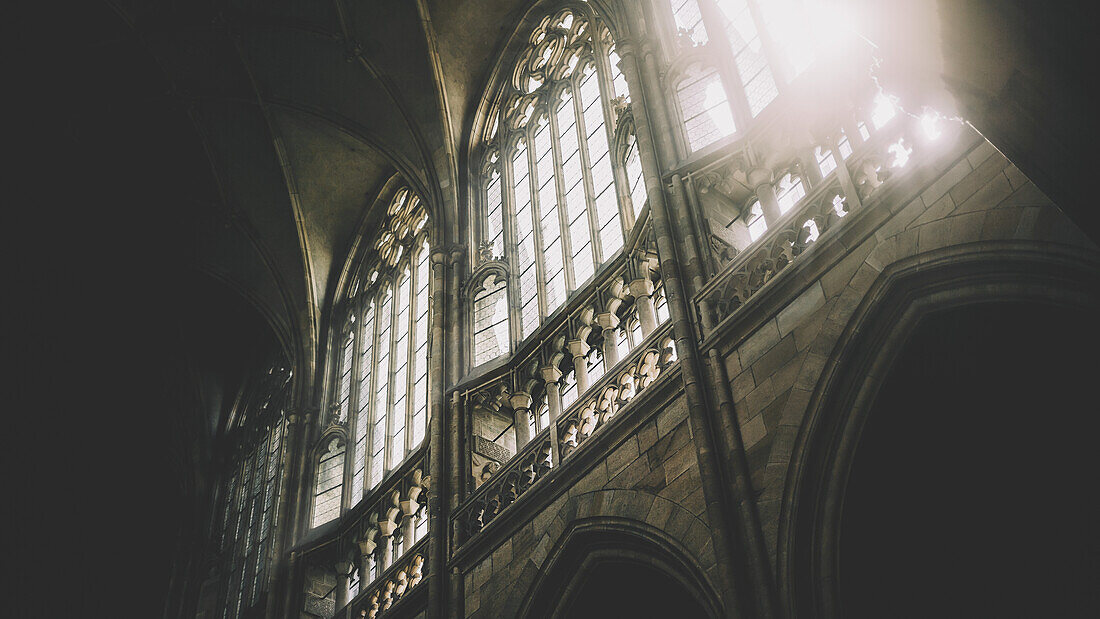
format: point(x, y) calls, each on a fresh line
point(775, 370)
point(651, 477)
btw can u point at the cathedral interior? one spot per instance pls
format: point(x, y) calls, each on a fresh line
point(333, 309)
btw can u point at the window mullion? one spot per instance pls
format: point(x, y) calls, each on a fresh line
point(387, 448)
point(349, 498)
point(511, 244)
point(586, 174)
point(410, 347)
point(614, 150)
point(536, 226)
point(563, 207)
point(732, 80)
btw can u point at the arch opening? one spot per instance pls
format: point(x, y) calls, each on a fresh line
point(972, 486)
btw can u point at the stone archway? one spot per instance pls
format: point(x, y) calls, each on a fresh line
point(905, 296)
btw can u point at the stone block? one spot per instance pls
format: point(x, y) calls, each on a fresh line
point(773, 412)
point(901, 220)
point(647, 436)
point(884, 254)
point(623, 455)
point(830, 332)
point(988, 196)
point(784, 377)
point(804, 305)
point(696, 504)
point(758, 343)
point(733, 364)
point(631, 475)
point(679, 461)
point(502, 556)
point(838, 277)
point(671, 416)
point(668, 444)
point(652, 482)
point(594, 480)
point(1026, 195)
point(753, 431)
point(659, 513)
point(944, 183)
point(742, 385)
point(810, 371)
point(979, 177)
point(938, 210)
point(805, 333)
point(756, 401)
point(1000, 223)
point(678, 523)
point(983, 151)
point(680, 488)
point(697, 538)
point(775, 358)
point(1015, 177)
point(863, 278)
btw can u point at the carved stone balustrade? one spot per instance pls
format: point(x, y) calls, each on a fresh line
point(824, 208)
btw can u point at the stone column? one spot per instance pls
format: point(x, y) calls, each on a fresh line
point(609, 322)
point(642, 291)
point(521, 412)
point(342, 570)
point(760, 179)
point(579, 349)
point(438, 508)
point(553, 401)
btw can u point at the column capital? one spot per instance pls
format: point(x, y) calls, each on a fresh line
point(760, 176)
point(607, 320)
point(520, 400)
point(641, 287)
point(550, 374)
point(578, 348)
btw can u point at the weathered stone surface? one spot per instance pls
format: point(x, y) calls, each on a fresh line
point(758, 343)
point(804, 305)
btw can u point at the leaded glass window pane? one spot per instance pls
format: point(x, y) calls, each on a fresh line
point(490, 321)
point(329, 482)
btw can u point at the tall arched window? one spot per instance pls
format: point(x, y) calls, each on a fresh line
point(752, 49)
point(381, 364)
point(559, 192)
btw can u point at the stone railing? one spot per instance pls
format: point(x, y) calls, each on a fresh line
point(394, 585)
point(594, 409)
point(813, 218)
point(366, 536)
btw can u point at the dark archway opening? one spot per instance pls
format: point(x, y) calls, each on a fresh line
point(974, 487)
point(628, 589)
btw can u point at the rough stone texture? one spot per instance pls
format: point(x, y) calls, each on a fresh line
point(980, 198)
point(650, 479)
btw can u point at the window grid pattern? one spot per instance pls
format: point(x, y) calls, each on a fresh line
point(249, 520)
point(553, 136)
point(705, 108)
point(362, 420)
point(634, 177)
point(390, 389)
point(420, 351)
point(525, 245)
point(490, 321)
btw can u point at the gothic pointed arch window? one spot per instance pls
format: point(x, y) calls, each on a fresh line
point(560, 188)
point(379, 389)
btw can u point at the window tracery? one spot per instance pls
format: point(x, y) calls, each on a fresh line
point(560, 187)
point(381, 364)
point(733, 57)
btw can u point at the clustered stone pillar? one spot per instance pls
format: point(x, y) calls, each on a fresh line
point(760, 179)
point(642, 291)
point(609, 323)
point(551, 375)
point(521, 411)
point(579, 349)
point(343, 568)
